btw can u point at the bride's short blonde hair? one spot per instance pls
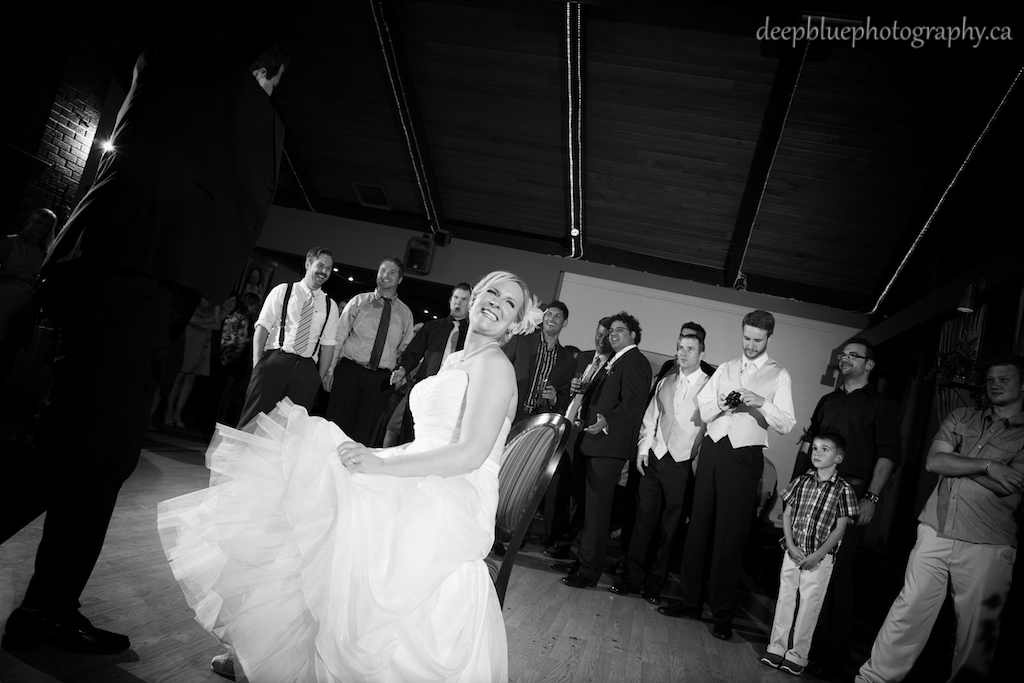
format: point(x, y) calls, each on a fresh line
point(527, 317)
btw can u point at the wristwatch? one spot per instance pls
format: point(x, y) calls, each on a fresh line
point(873, 497)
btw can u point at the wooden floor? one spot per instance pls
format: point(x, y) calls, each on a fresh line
point(555, 633)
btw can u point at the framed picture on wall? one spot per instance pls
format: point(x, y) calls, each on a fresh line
point(256, 276)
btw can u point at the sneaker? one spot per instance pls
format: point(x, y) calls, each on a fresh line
point(224, 665)
point(772, 660)
point(790, 667)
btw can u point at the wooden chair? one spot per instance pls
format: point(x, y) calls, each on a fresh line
point(531, 455)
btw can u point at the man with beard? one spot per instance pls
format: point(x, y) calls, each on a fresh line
point(743, 399)
point(374, 329)
point(870, 424)
point(293, 341)
point(967, 536)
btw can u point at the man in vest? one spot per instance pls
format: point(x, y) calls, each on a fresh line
point(293, 342)
point(670, 437)
point(742, 400)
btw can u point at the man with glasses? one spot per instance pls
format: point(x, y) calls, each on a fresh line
point(743, 399)
point(870, 423)
point(613, 409)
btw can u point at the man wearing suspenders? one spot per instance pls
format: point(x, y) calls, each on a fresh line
point(294, 340)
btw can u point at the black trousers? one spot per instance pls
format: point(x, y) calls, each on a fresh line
point(660, 495)
point(358, 397)
point(833, 635)
point(600, 476)
point(280, 375)
point(725, 494)
point(114, 332)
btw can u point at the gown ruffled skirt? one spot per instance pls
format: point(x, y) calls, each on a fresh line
point(312, 574)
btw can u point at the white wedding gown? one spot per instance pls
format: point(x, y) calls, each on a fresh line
point(313, 574)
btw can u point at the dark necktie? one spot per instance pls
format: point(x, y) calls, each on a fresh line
point(382, 335)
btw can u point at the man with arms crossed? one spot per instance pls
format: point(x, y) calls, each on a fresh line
point(967, 535)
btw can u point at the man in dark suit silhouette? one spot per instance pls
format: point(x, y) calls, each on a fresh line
point(614, 407)
point(173, 215)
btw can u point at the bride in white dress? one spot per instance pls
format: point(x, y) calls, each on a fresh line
point(320, 560)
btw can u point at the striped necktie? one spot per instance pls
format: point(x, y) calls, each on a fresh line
point(382, 335)
point(305, 324)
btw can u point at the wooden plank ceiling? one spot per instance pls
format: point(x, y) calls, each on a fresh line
point(676, 100)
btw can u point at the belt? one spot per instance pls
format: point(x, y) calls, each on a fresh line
point(364, 367)
point(289, 353)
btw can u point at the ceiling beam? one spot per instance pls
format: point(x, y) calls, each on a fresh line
point(596, 253)
point(787, 76)
point(400, 85)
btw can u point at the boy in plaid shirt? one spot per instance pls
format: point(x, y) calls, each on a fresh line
point(818, 506)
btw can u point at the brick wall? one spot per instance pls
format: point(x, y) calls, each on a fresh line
point(58, 81)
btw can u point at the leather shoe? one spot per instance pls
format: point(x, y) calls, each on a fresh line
point(498, 549)
point(67, 630)
point(722, 631)
point(620, 588)
point(651, 596)
point(677, 610)
point(557, 553)
point(566, 567)
point(224, 665)
point(578, 581)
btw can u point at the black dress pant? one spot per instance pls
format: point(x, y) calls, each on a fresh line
point(833, 635)
point(660, 495)
point(280, 375)
point(600, 477)
point(115, 328)
point(358, 398)
point(725, 493)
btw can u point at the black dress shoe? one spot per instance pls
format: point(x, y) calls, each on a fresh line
point(651, 596)
point(498, 549)
point(558, 553)
point(67, 630)
point(722, 631)
point(566, 567)
point(678, 610)
point(578, 581)
point(620, 588)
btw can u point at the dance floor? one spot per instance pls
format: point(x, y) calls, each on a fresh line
point(555, 633)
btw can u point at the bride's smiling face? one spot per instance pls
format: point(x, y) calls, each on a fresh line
point(496, 308)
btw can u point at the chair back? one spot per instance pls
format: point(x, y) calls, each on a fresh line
point(531, 456)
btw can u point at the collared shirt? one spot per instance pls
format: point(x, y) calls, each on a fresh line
point(586, 375)
point(546, 357)
point(749, 426)
point(430, 342)
point(611, 361)
point(270, 319)
point(868, 420)
point(357, 329)
point(959, 507)
point(686, 426)
point(816, 506)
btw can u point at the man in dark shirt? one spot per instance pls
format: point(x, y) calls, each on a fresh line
point(870, 423)
point(544, 368)
point(430, 347)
